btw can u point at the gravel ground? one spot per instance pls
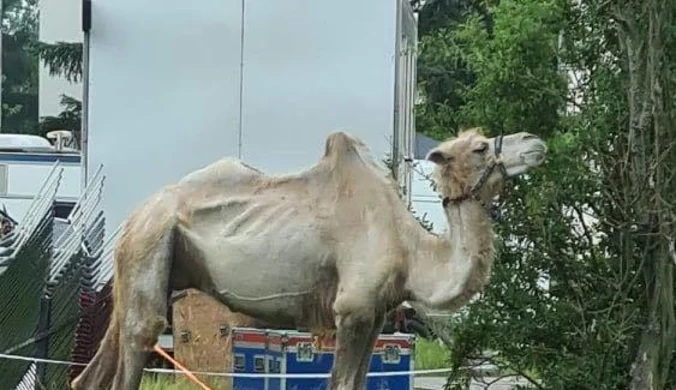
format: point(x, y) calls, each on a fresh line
point(437, 383)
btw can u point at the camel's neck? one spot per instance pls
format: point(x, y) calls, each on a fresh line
point(445, 272)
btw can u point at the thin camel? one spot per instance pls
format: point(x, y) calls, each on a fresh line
point(330, 248)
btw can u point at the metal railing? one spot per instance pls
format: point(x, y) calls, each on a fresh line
point(22, 280)
point(45, 282)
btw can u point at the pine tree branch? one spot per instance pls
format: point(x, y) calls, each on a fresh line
point(68, 119)
point(61, 58)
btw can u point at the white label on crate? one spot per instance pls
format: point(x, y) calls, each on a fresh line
point(259, 363)
point(239, 362)
point(304, 352)
point(391, 354)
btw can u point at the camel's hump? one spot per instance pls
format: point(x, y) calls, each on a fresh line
point(227, 168)
point(342, 147)
point(340, 144)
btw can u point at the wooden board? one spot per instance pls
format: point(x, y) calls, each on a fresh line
point(201, 328)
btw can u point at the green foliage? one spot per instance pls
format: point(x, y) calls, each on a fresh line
point(68, 119)
point(19, 67)
point(430, 355)
point(21, 55)
point(61, 58)
point(518, 86)
point(578, 272)
point(443, 72)
point(180, 382)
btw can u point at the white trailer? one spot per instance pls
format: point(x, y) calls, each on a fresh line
point(172, 86)
point(25, 163)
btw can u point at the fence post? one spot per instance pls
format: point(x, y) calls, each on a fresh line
point(42, 344)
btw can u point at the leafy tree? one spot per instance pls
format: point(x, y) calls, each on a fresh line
point(68, 119)
point(63, 59)
point(19, 67)
point(21, 54)
point(443, 73)
point(582, 291)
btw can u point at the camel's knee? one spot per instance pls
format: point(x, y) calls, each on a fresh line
point(142, 332)
point(353, 313)
point(355, 321)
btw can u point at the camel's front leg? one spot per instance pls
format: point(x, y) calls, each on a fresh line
point(357, 331)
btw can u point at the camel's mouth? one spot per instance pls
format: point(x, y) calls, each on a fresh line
point(535, 156)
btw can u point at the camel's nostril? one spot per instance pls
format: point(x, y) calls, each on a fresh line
point(527, 136)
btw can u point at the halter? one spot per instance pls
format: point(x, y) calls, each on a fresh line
point(473, 193)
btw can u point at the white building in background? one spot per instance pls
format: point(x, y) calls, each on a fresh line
point(60, 21)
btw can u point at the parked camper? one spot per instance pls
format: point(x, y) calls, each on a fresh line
point(25, 163)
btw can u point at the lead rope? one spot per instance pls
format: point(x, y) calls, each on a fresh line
point(178, 365)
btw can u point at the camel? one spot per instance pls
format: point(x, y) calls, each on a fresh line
point(331, 247)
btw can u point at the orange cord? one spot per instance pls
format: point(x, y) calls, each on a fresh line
point(178, 365)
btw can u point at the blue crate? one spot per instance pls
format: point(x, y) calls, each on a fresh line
point(392, 353)
point(294, 352)
point(299, 355)
point(249, 355)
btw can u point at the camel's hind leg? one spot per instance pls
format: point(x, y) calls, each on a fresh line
point(100, 371)
point(142, 306)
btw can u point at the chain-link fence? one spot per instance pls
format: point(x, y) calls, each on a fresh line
point(44, 275)
point(63, 295)
point(22, 281)
point(21, 288)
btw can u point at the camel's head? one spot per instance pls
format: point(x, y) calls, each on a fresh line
point(472, 165)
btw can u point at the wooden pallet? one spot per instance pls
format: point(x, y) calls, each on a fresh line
point(201, 328)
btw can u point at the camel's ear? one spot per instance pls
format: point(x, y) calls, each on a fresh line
point(437, 156)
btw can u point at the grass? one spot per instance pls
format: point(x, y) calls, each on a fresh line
point(430, 355)
point(180, 382)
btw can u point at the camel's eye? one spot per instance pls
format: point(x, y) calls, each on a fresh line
point(482, 148)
